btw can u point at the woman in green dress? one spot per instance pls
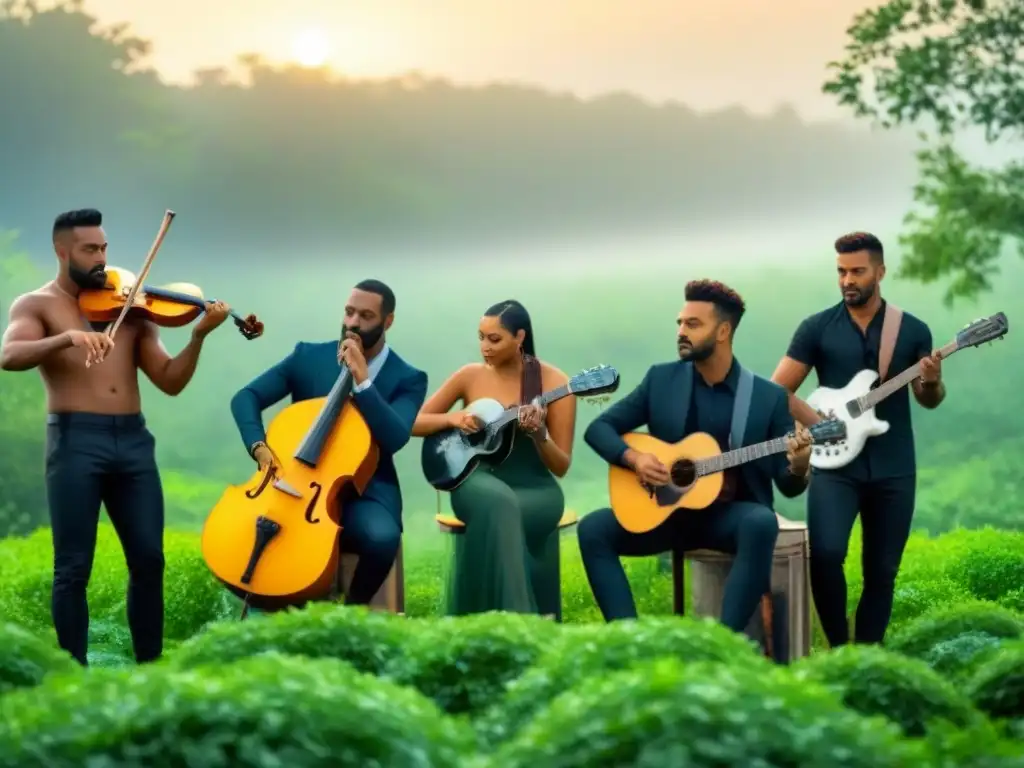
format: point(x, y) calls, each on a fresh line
point(507, 557)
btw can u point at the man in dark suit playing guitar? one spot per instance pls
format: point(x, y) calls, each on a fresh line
point(697, 394)
point(388, 393)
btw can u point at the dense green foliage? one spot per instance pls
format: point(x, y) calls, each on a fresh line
point(497, 690)
point(878, 682)
point(947, 65)
point(274, 710)
point(26, 658)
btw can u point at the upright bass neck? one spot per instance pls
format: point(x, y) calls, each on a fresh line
point(312, 445)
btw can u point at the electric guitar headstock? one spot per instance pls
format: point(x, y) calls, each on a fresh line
point(982, 331)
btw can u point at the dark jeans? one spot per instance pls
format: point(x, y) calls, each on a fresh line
point(744, 529)
point(886, 510)
point(93, 459)
point(370, 531)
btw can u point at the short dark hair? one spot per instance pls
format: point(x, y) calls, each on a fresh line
point(862, 241)
point(387, 296)
point(729, 305)
point(83, 217)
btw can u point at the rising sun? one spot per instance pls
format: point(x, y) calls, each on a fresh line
point(311, 48)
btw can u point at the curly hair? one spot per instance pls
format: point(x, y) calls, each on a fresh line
point(728, 304)
point(862, 241)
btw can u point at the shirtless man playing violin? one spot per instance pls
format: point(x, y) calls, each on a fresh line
point(98, 449)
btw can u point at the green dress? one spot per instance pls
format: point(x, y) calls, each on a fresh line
point(507, 557)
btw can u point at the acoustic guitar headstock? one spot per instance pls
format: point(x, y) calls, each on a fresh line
point(828, 431)
point(598, 380)
point(249, 326)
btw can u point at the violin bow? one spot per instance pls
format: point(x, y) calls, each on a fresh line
point(130, 300)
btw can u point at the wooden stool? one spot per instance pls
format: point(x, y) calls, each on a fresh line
point(788, 602)
point(452, 525)
point(390, 596)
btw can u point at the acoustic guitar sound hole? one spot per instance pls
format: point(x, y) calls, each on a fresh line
point(683, 473)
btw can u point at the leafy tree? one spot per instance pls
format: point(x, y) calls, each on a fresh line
point(951, 65)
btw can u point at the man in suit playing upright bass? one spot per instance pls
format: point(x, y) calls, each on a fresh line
point(697, 393)
point(388, 393)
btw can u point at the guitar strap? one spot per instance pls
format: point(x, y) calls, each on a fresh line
point(741, 408)
point(890, 331)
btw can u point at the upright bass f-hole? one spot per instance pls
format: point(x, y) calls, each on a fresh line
point(312, 502)
point(253, 493)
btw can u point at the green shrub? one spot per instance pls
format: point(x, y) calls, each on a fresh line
point(269, 711)
point(590, 650)
point(368, 640)
point(997, 686)
point(192, 597)
point(960, 655)
point(874, 681)
point(667, 713)
point(992, 572)
point(1013, 599)
point(464, 663)
point(914, 598)
point(27, 659)
point(947, 622)
point(980, 745)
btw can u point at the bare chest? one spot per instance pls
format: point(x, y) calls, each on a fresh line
point(115, 372)
point(486, 384)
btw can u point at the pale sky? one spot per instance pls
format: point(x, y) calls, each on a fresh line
point(706, 53)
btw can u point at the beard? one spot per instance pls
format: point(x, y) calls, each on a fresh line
point(858, 297)
point(696, 353)
point(88, 279)
point(367, 336)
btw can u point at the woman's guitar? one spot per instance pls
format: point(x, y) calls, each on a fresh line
point(696, 465)
point(855, 403)
point(450, 456)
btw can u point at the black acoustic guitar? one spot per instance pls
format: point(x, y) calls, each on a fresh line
point(450, 456)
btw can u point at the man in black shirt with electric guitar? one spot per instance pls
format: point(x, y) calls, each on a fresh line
point(873, 472)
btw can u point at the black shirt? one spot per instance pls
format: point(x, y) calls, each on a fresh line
point(711, 408)
point(836, 348)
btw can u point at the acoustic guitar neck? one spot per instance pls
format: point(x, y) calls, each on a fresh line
point(729, 459)
point(511, 414)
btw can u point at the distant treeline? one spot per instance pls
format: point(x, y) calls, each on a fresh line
point(293, 156)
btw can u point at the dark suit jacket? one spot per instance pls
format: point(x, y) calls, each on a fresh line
point(661, 402)
point(389, 405)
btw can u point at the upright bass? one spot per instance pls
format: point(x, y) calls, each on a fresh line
point(274, 542)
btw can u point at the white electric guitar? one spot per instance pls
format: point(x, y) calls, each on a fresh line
point(855, 403)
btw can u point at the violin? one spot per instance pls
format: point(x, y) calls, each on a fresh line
point(172, 306)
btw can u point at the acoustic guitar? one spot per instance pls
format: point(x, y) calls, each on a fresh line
point(274, 540)
point(448, 457)
point(697, 469)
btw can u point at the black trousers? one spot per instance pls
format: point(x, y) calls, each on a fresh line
point(743, 529)
point(371, 531)
point(94, 459)
point(886, 509)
